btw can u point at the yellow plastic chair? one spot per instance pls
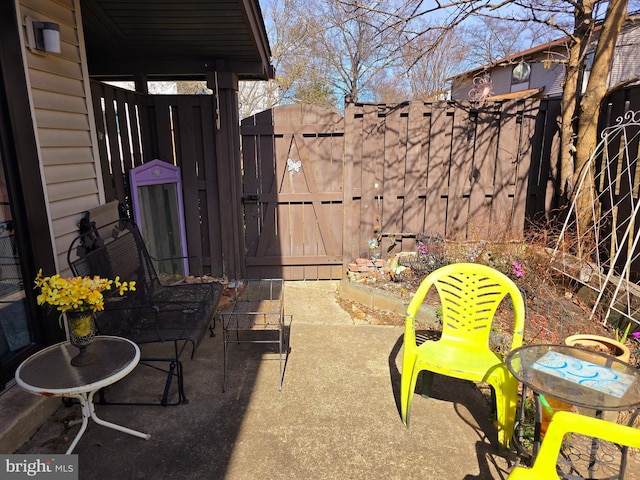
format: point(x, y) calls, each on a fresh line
point(470, 294)
point(544, 466)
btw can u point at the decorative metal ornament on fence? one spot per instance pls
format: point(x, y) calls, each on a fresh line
point(293, 166)
point(482, 88)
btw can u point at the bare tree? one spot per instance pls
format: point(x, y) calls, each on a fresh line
point(428, 75)
point(291, 37)
point(490, 39)
point(576, 19)
point(354, 44)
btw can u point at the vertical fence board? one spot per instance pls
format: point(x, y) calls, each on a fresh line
point(523, 166)
point(351, 167)
point(463, 137)
point(395, 147)
point(415, 177)
point(123, 130)
point(97, 97)
point(187, 160)
point(371, 186)
point(438, 171)
point(210, 228)
point(163, 127)
point(120, 182)
point(501, 212)
point(482, 175)
point(543, 174)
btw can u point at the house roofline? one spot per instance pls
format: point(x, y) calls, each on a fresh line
point(507, 60)
point(632, 17)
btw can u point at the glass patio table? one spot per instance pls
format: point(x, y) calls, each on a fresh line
point(49, 373)
point(576, 376)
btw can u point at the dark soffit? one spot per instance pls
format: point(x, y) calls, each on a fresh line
point(173, 39)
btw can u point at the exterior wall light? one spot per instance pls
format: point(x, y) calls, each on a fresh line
point(42, 36)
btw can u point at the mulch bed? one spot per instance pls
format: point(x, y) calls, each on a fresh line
point(553, 312)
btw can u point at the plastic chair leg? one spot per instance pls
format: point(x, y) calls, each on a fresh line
point(506, 392)
point(407, 388)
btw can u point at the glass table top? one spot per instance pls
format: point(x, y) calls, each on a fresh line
point(577, 376)
point(50, 370)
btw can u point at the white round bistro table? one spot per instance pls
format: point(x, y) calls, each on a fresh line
point(49, 373)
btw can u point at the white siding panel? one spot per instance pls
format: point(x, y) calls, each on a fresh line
point(65, 155)
point(78, 188)
point(42, 80)
point(53, 119)
point(66, 231)
point(56, 65)
point(71, 206)
point(65, 173)
point(61, 10)
point(61, 110)
point(56, 101)
point(61, 138)
point(66, 225)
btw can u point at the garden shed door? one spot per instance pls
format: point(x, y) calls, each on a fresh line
point(292, 193)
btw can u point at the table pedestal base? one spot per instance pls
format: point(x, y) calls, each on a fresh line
point(88, 411)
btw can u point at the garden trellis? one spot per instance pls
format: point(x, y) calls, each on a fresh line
point(604, 254)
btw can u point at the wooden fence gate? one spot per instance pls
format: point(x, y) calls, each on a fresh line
point(320, 190)
point(293, 165)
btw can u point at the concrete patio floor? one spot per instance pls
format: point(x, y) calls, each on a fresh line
point(337, 416)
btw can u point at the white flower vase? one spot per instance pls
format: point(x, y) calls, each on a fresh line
point(82, 331)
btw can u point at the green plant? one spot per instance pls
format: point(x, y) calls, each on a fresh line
point(439, 314)
point(526, 426)
point(623, 338)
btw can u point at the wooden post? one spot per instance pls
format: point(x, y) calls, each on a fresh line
point(227, 145)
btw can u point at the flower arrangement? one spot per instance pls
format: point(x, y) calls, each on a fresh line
point(77, 294)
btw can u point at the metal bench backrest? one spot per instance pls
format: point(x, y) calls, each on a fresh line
point(122, 254)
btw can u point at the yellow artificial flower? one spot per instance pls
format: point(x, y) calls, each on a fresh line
point(76, 293)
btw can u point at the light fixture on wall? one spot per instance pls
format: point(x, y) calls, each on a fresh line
point(42, 36)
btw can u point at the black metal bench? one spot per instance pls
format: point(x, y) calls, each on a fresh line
point(153, 313)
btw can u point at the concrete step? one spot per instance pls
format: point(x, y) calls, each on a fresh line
point(21, 415)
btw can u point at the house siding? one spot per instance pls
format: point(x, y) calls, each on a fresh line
point(626, 61)
point(549, 78)
point(63, 120)
point(460, 91)
point(624, 66)
point(501, 80)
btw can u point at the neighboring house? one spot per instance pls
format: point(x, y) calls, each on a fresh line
point(49, 151)
point(542, 67)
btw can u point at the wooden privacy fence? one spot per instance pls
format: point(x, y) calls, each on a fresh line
point(320, 190)
point(135, 128)
point(315, 188)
